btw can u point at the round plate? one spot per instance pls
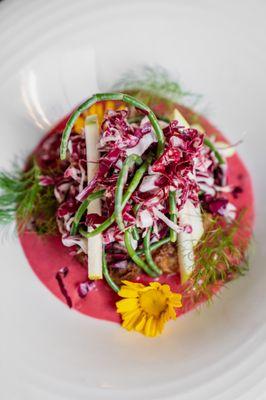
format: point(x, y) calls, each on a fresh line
point(53, 55)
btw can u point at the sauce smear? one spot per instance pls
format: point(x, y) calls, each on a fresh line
point(47, 255)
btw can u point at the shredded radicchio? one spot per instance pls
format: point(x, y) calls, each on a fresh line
point(187, 166)
point(220, 206)
point(84, 288)
point(60, 276)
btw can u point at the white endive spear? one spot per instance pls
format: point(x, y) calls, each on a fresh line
point(95, 242)
point(188, 215)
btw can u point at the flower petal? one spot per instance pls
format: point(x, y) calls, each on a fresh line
point(155, 285)
point(160, 325)
point(176, 300)
point(128, 292)
point(126, 305)
point(130, 319)
point(133, 285)
point(141, 323)
point(170, 313)
point(148, 327)
point(154, 327)
point(166, 290)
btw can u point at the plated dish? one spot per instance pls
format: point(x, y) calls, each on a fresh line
point(134, 208)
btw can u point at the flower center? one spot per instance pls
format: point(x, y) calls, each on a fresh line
point(153, 302)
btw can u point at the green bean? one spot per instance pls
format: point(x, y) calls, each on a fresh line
point(135, 233)
point(106, 274)
point(134, 256)
point(158, 132)
point(121, 181)
point(136, 208)
point(155, 246)
point(115, 97)
point(216, 152)
point(147, 251)
point(173, 214)
point(82, 209)
point(135, 181)
point(131, 188)
point(101, 228)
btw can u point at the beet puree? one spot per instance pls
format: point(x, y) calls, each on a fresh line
point(47, 255)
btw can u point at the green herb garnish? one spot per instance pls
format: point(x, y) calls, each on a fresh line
point(156, 81)
point(24, 200)
point(221, 255)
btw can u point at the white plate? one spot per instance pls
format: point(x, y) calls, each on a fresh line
point(52, 55)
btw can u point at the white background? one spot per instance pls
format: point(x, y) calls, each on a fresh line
point(52, 55)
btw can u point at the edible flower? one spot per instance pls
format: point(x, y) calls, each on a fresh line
point(146, 309)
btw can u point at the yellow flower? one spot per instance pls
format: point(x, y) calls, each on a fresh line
point(146, 309)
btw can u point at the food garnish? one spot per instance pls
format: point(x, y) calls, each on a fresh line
point(139, 191)
point(146, 309)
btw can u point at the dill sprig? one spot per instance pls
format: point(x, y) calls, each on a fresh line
point(44, 213)
point(157, 82)
point(18, 193)
point(221, 256)
point(24, 200)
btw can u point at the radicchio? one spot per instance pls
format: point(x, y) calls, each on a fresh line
point(220, 206)
point(186, 166)
point(84, 288)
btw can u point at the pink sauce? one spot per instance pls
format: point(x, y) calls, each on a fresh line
point(46, 255)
